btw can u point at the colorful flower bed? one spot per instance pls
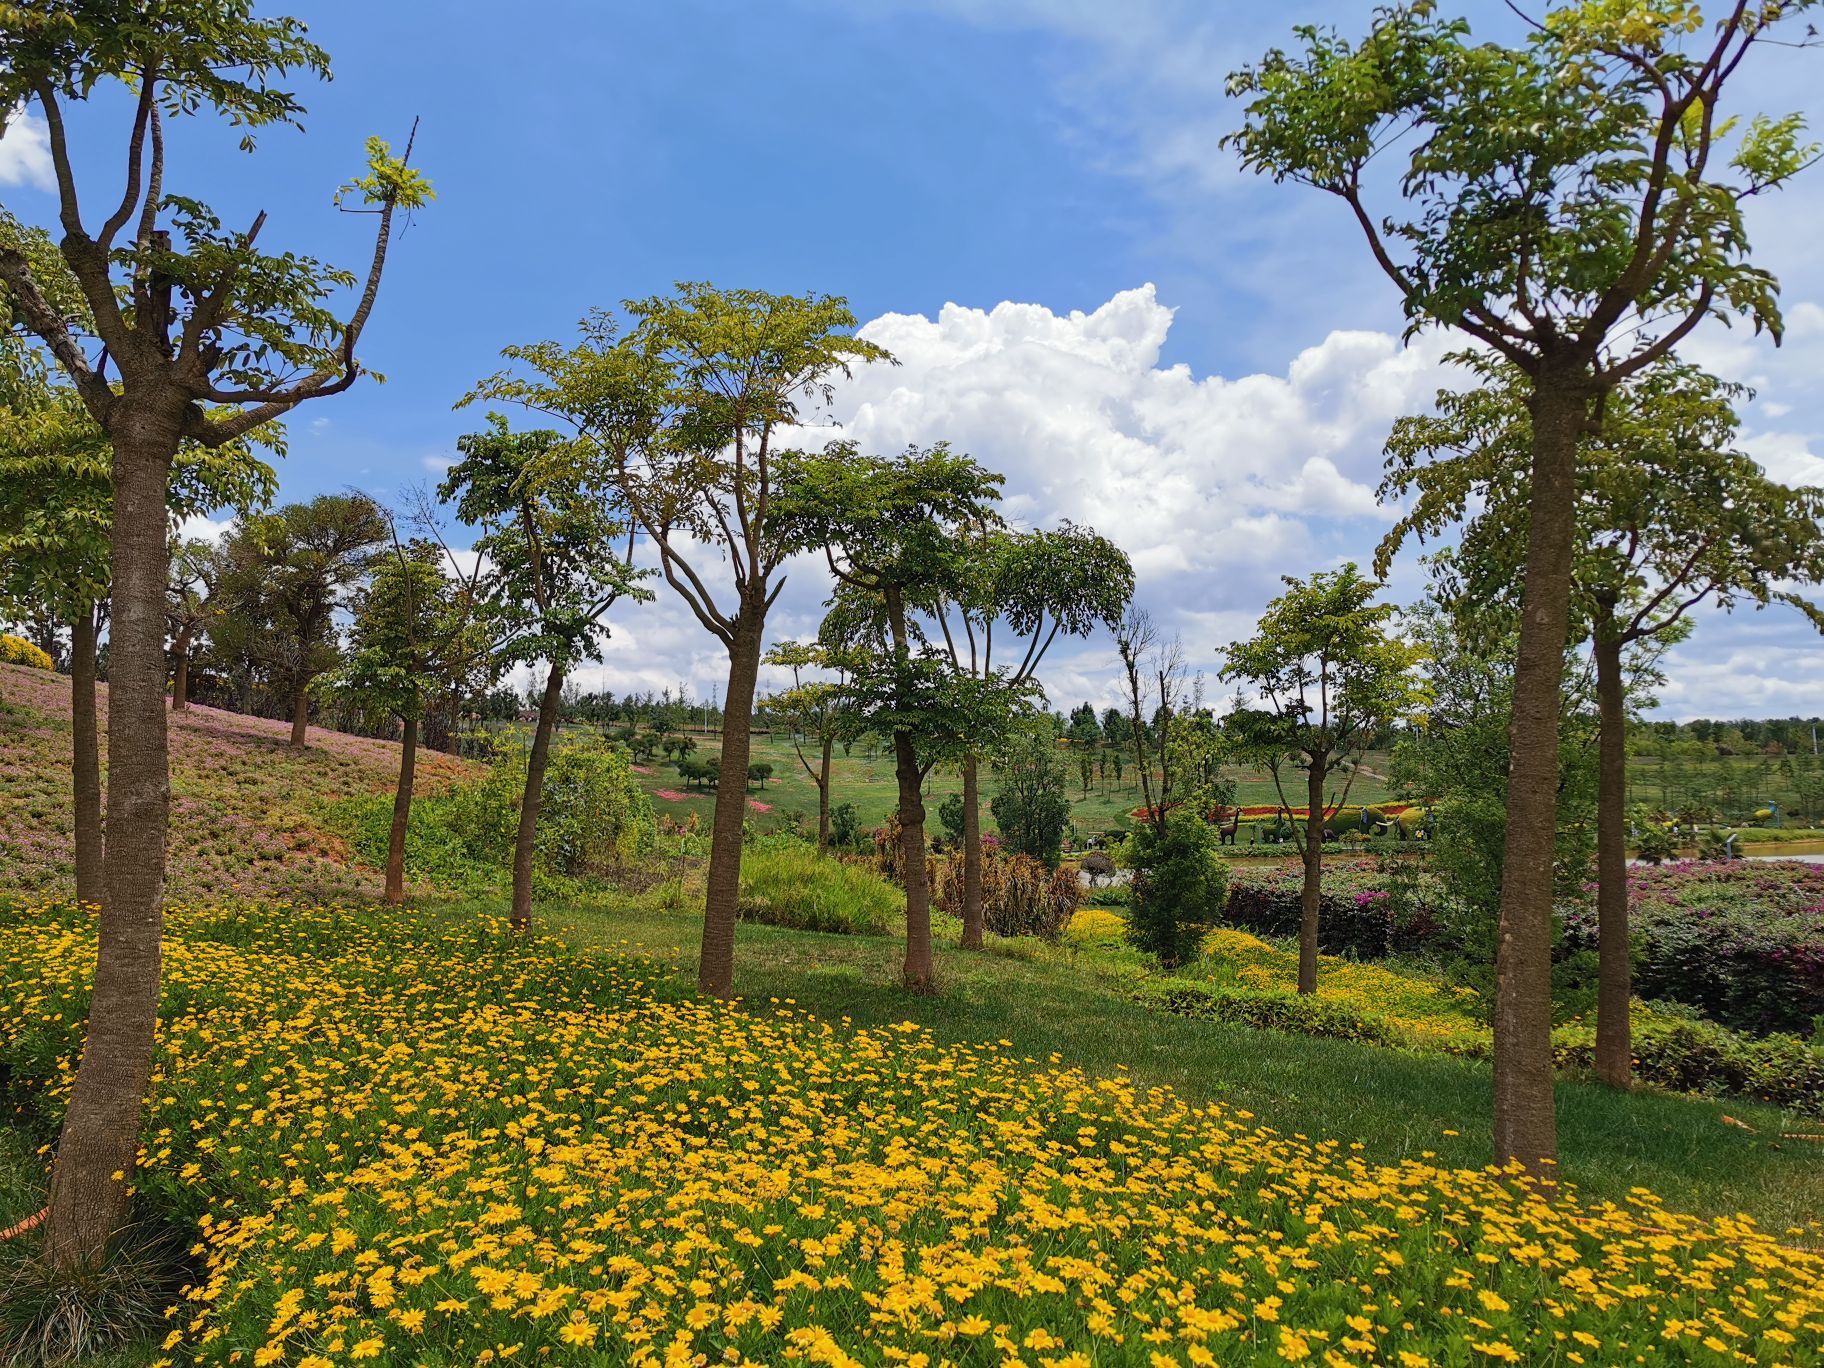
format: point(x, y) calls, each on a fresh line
point(404, 1141)
point(1355, 914)
point(1743, 942)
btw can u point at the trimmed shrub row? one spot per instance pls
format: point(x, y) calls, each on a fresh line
point(1678, 1054)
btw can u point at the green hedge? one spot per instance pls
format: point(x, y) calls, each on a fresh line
point(1673, 1052)
point(1267, 1010)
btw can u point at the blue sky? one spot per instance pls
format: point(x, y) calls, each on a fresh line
point(1026, 200)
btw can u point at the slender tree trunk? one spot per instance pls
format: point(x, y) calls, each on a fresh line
point(180, 671)
point(402, 814)
point(99, 1141)
point(973, 918)
point(300, 716)
point(85, 760)
point(1614, 1043)
point(526, 844)
point(920, 973)
point(1312, 892)
point(1525, 1121)
point(823, 796)
point(716, 965)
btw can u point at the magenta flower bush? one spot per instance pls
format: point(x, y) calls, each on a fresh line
point(1742, 942)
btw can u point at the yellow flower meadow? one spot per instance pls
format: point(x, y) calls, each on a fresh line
point(403, 1141)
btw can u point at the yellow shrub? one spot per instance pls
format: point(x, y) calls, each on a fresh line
point(18, 651)
point(1095, 926)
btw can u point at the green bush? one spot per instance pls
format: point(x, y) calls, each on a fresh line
point(593, 820)
point(1268, 1009)
point(787, 883)
point(845, 826)
point(950, 816)
point(1689, 1054)
point(436, 850)
point(1180, 887)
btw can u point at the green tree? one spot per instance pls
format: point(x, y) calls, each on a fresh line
point(887, 528)
point(1180, 886)
point(1032, 586)
point(1454, 761)
point(414, 637)
point(1330, 676)
point(56, 516)
point(552, 575)
point(191, 318)
point(813, 707)
point(683, 414)
point(1575, 204)
point(1032, 807)
point(190, 606)
point(283, 578)
point(1669, 515)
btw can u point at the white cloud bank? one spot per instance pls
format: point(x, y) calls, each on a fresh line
point(25, 151)
point(1215, 486)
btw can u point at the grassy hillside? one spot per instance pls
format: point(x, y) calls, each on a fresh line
point(245, 807)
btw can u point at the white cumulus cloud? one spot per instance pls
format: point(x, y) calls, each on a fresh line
point(25, 151)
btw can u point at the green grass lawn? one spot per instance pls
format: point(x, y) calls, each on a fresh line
point(866, 779)
point(1064, 1008)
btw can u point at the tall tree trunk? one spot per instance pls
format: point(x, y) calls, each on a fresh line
point(920, 973)
point(99, 1141)
point(402, 814)
point(823, 795)
point(300, 716)
point(525, 844)
point(85, 761)
point(721, 905)
point(1525, 1122)
point(1614, 1042)
point(973, 919)
point(180, 671)
point(1312, 892)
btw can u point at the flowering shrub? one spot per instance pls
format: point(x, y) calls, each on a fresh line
point(16, 650)
point(1356, 916)
point(1742, 942)
point(399, 1140)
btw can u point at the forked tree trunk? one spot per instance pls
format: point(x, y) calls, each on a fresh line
point(525, 844)
point(823, 795)
point(1525, 1122)
point(99, 1141)
point(300, 716)
point(402, 814)
point(85, 761)
point(1614, 972)
point(1311, 893)
point(973, 918)
point(920, 973)
point(721, 904)
point(180, 671)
